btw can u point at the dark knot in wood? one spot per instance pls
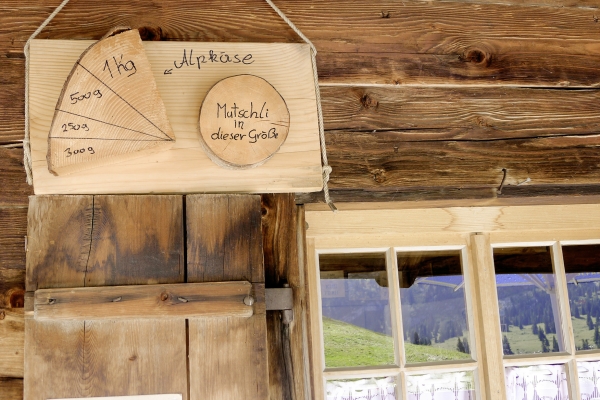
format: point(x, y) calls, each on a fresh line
point(476, 56)
point(378, 175)
point(51, 301)
point(17, 299)
point(385, 14)
point(164, 296)
point(368, 102)
point(2, 315)
point(151, 33)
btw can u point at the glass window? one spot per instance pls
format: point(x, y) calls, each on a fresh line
point(434, 316)
point(582, 268)
point(527, 300)
point(357, 329)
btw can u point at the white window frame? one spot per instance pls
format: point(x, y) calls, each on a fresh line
point(475, 231)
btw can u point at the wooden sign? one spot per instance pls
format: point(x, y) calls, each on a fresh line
point(184, 73)
point(109, 109)
point(243, 122)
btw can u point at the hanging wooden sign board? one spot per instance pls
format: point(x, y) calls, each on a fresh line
point(275, 153)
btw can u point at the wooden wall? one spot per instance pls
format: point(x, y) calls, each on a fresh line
point(422, 100)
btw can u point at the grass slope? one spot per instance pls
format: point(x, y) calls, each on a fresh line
point(347, 345)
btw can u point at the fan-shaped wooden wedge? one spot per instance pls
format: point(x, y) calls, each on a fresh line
point(109, 109)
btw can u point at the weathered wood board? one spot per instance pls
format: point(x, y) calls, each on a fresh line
point(184, 73)
point(109, 109)
point(78, 241)
point(228, 356)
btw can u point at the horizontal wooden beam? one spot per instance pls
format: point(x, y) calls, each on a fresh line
point(145, 301)
point(381, 41)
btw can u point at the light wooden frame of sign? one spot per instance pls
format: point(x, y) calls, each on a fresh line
point(184, 73)
point(475, 231)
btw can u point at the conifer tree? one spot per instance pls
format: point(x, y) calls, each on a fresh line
point(597, 337)
point(459, 346)
point(534, 329)
point(590, 324)
point(466, 344)
point(554, 344)
point(506, 346)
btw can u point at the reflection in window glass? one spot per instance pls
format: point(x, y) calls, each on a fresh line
point(589, 379)
point(582, 266)
point(449, 385)
point(434, 317)
point(362, 389)
point(547, 382)
point(357, 327)
point(529, 309)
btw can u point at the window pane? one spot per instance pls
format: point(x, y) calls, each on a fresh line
point(529, 311)
point(548, 382)
point(444, 386)
point(582, 266)
point(356, 313)
point(434, 317)
point(362, 389)
point(589, 379)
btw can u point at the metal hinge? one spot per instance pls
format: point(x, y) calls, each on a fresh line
point(279, 299)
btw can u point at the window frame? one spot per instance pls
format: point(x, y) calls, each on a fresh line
point(476, 231)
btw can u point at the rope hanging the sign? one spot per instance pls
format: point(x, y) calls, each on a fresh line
point(326, 169)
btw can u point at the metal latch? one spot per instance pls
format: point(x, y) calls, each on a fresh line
point(279, 299)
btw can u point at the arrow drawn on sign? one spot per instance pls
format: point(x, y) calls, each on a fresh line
point(168, 71)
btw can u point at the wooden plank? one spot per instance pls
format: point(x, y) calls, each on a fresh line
point(12, 288)
point(13, 225)
point(409, 42)
point(224, 238)
point(489, 324)
point(104, 240)
point(136, 240)
point(11, 389)
point(12, 332)
point(432, 221)
point(144, 302)
point(83, 359)
point(386, 162)
point(414, 114)
point(114, 240)
point(228, 356)
point(296, 164)
point(441, 196)
point(59, 232)
point(287, 380)
point(14, 188)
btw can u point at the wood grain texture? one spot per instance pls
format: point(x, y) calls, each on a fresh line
point(183, 86)
point(136, 240)
point(84, 359)
point(409, 42)
point(144, 301)
point(384, 161)
point(109, 109)
point(280, 248)
point(12, 332)
point(530, 194)
point(11, 389)
point(104, 240)
point(14, 187)
point(13, 225)
point(12, 288)
point(224, 238)
point(415, 114)
point(228, 356)
point(59, 231)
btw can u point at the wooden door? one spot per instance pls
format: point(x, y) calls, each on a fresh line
point(85, 241)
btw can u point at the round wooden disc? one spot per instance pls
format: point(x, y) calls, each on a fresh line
point(243, 122)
